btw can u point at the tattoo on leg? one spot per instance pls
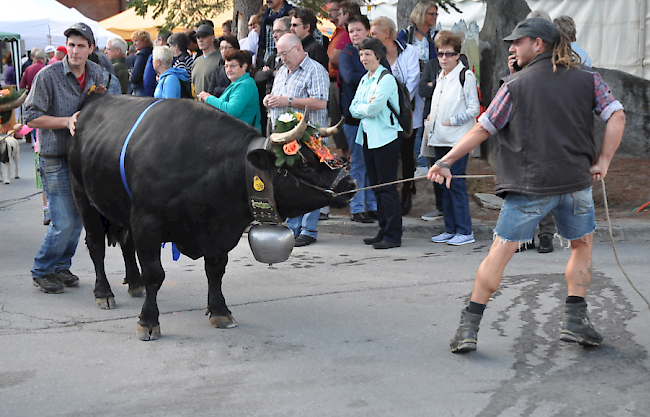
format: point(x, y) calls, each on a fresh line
point(586, 276)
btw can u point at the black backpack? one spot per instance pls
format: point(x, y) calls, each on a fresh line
point(186, 88)
point(405, 115)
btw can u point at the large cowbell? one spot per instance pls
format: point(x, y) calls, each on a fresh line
point(270, 241)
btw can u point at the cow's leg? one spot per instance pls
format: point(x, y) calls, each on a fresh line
point(16, 160)
point(7, 171)
point(220, 315)
point(146, 237)
point(95, 241)
point(133, 277)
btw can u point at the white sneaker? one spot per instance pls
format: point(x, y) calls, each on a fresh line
point(443, 237)
point(434, 215)
point(461, 239)
point(420, 172)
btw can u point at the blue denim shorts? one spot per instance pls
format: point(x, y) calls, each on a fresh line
point(520, 213)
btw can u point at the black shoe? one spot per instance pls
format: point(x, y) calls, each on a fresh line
point(303, 240)
point(49, 284)
point(545, 244)
point(371, 240)
point(386, 245)
point(373, 214)
point(577, 327)
point(323, 216)
point(526, 245)
point(361, 218)
point(67, 278)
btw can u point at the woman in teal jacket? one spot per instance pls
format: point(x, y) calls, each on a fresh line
point(378, 135)
point(241, 98)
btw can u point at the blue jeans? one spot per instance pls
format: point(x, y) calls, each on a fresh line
point(363, 200)
point(420, 161)
point(520, 213)
point(62, 235)
point(455, 202)
point(307, 224)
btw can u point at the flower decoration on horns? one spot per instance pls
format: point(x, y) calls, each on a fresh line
point(289, 153)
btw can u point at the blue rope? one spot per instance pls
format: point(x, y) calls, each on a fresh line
point(126, 142)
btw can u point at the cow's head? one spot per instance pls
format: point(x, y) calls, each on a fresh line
point(306, 176)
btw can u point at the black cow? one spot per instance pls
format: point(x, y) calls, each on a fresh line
point(185, 165)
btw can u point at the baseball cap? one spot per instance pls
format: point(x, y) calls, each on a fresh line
point(49, 48)
point(83, 29)
point(535, 27)
point(204, 30)
point(62, 49)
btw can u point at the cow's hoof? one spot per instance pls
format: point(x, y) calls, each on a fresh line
point(223, 322)
point(147, 333)
point(106, 303)
point(138, 292)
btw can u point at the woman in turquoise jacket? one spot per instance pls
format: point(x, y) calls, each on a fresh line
point(378, 135)
point(241, 98)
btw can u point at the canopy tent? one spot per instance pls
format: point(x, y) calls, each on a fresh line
point(125, 23)
point(42, 22)
point(14, 41)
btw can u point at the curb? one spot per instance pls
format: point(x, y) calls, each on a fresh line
point(623, 230)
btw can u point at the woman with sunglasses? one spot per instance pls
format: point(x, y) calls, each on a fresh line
point(240, 99)
point(454, 108)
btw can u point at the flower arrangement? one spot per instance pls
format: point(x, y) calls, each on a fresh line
point(288, 153)
point(7, 95)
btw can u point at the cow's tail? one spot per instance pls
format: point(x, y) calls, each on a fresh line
point(115, 234)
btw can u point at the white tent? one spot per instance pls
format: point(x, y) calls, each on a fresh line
point(42, 22)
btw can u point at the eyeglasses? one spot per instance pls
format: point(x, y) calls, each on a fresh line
point(231, 66)
point(284, 54)
point(432, 14)
point(276, 31)
point(447, 54)
point(225, 48)
point(295, 25)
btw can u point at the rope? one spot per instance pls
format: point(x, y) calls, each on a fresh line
point(406, 180)
point(611, 237)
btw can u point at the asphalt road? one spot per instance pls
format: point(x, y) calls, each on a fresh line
point(339, 329)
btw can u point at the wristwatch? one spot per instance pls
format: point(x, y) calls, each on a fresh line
point(290, 101)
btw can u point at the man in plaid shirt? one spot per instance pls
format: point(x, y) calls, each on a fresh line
point(547, 162)
point(299, 83)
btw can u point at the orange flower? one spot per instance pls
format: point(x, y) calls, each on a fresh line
point(299, 116)
point(4, 92)
point(291, 148)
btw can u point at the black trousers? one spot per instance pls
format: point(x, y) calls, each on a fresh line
point(381, 167)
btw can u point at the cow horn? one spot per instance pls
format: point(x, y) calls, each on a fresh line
point(294, 134)
point(330, 131)
point(13, 104)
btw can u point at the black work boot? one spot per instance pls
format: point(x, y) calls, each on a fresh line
point(545, 244)
point(467, 334)
point(577, 328)
point(67, 278)
point(49, 284)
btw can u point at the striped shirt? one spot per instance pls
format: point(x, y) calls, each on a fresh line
point(308, 80)
point(185, 61)
point(497, 114)
point(56, 92)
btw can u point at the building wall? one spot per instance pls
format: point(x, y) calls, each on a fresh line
point(96, 9)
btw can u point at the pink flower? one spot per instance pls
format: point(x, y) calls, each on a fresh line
point(291, 148)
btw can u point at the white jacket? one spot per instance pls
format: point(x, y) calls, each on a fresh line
point(452, 102)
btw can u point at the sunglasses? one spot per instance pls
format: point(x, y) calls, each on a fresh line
point(432, 14)
point(447, 54)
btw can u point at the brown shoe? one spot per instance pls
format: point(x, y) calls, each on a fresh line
point(49, 284)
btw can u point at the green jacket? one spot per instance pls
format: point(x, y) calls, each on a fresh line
point(240, 100)
point(121, 72)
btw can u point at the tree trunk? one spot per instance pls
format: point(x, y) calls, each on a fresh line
point(501, 17)
point(404, 8)
point(242, 11)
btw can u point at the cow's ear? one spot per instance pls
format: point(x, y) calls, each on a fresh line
point(261, 159)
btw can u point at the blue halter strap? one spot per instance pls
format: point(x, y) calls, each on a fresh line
point(126, 142)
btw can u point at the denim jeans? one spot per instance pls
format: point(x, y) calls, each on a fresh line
point(307, 224)
point(455, 202)
point(62, 235)
point(363, 200)
point(520, 213)
point(420, 161)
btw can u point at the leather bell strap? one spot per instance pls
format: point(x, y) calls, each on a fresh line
point(260, 189)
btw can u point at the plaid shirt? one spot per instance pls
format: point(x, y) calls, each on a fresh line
point(56, 92)
point(498, 113)
point(309, 80)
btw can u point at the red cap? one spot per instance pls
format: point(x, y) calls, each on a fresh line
point(62, 49)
